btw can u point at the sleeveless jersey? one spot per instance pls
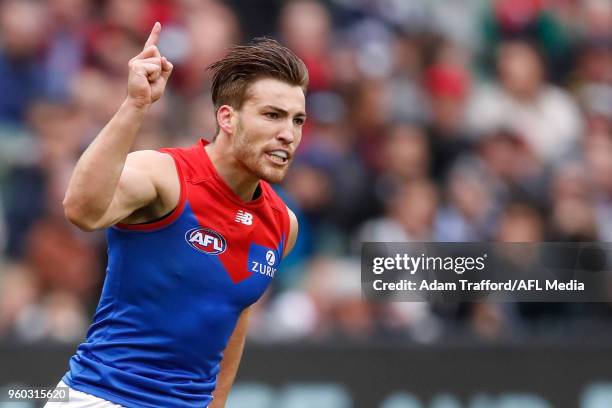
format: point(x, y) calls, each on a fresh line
point(174, 290)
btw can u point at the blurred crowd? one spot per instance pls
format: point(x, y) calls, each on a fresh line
point(428, 120)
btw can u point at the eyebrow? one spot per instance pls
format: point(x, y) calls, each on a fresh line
point(283, 111)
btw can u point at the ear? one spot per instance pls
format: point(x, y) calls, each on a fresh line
point(226, 118)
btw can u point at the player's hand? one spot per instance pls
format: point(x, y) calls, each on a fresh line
point(149, 72)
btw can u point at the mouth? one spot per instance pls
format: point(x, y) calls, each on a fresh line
point(279, 156)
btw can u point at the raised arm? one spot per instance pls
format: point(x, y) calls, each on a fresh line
point(107, 185)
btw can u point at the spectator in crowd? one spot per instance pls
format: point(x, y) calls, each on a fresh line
point(534, 21)
point(404, 157)
point(598, 152)
point(543, 115)
point(470, 211)
point(448, 86)
point(410, 214)
point(22, 29)
point(305, 25)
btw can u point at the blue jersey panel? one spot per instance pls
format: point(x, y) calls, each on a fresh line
point(164, 318)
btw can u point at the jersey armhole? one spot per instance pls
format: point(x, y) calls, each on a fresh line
point(172, 216)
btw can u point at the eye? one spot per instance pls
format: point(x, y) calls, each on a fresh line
point(299, 121)
point(271, 115)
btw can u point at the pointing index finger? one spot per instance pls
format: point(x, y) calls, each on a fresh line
point(154, 36)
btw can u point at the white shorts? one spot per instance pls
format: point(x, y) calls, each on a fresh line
point(78, 399)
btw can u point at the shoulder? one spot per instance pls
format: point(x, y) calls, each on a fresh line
point(158, 166)
point(149, 160)
point(293, 222)
point(162, 170)
point(293, 232)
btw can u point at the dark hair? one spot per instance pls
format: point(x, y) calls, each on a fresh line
point(244, 64)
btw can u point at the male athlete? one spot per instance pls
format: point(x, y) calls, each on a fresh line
point(196, 234)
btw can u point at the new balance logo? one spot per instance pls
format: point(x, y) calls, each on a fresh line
point(244, 217)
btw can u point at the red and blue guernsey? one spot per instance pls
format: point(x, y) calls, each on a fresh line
point(175, 288)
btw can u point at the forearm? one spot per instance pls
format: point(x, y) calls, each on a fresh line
point(230, 362)
point(97, 173)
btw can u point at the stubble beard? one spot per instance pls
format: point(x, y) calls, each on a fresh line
point(253, 160)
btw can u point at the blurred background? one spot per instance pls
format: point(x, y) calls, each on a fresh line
point(428, 120)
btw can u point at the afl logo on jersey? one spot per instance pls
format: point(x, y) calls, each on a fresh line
point(206, 240)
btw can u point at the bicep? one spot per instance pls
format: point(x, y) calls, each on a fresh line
point(136, 187)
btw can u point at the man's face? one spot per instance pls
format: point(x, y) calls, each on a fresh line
point(269, 128)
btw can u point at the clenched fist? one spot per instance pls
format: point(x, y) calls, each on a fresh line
point(149, 72)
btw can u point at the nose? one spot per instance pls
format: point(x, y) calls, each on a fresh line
point(286, 134)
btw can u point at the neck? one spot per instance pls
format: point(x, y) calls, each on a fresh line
point(233, 172)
